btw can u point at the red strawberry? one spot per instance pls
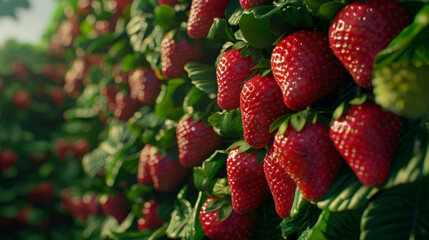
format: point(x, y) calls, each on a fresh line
point(167, 174)
point(362, 29)
point(231, 72)
point(175, 53)
point(22, 99)
point(261, 103)
point(115, 206)
point(309, 158)
point(8, 159)
point(74, 77)
point(235, 227)
point(110, 92)
point(305, 68)
point(246, 4)
point(77, 208)
point(202, 14)
point(80, 148)
point(247, 181)
point(143, 173)
point(144, 85)
point(63, 149)
point(125, 106)
point(1, 85)
point(42, 193)
point(90, 202)
point(168, 2)
point(367, 136)
point(151, 218)
point(281, 185)
point(57, 96)
point(195, 141)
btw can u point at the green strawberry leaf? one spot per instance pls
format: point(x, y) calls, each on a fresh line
point(235, 145)
point(260, 155)
point(225, 211)
point(168, 104)
point(221, 188)
point(239, 45)
point(227, 123)
point(337, 225)
point(255, 30)
point(328, 10)
point(215, 205)
point(215, 162)
point(194, 230)
point(268, 225)
point(340, 110)
point(410, 217)
point(196, 100)
point(244, 147)
point(201, 181)
point(220, 31)
point(359, 100)
point(165, 17)
point(203, 77)
point(277, 123)
point(180, 216)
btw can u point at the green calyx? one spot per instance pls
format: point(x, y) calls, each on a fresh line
point(223, 206)
point(342, 108)
point(297, 121)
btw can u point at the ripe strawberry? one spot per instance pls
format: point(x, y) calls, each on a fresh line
point(80, 148)
point(281, 185)
point(202, 14)
point(261, 103)
point(63, 149)
point(90, 203)
point(143, 173)
point(42, 193)
point(57, 96)
point(247, 181)
point(231, 72)
point(144, 85)
point(195, 141)
point(125, 106)
point(77, 208)
point(115, 206)
point(8, 159)
point(22, 99)
point(168, 2)
point(235, 227)
point(110, 92)
point(246, 4)
point(367, 136)
point(309, 158)
point(74, 77)
point(362, 29)
point(167, 174)
point(305, 68)
point(151, 220)
point(118, 74)
point(175, 53)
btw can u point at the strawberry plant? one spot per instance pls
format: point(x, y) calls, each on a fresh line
point(200, 120)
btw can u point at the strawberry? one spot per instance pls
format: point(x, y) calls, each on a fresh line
point(115, 206)
point(309, 158)
point(90, 203)
point(22, 99)
point(42, 193)
point(143, 173)
point(195, 141)
point(305, 68)
point(176, 52)
point(144, 85)
point(109, 92)
point(168, 2)
point(20, 70)
point(125, 106)
point(77, 208)
point(202, 14)
point(63, 149)
point(247, 181)
point(167, 174)
point(1, 85)
point(363, 28)
point(80, 148)
point(57, 96)
point(74, 77)
point(366, 136)
point(235, 227)
point(8, 159)
point(261, 103)
point(246, 4)
point(231, 71)
point(151, 218)
point(281, 185)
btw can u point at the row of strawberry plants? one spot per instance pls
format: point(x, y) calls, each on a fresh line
point(218, 116)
